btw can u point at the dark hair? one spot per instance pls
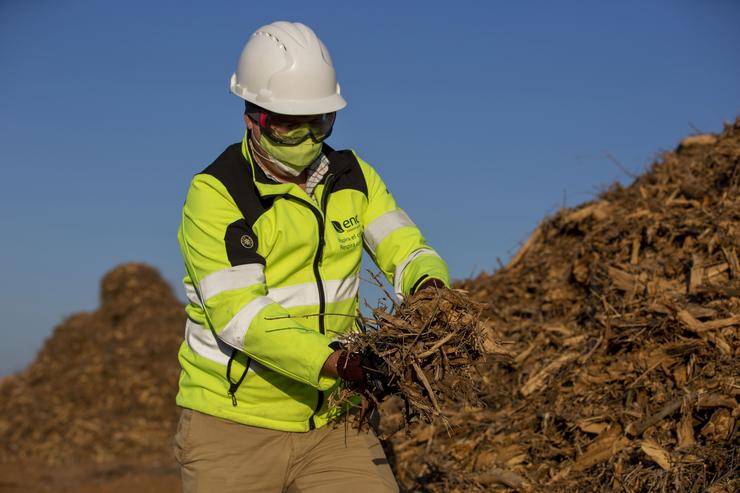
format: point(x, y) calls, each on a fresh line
point(251, 108)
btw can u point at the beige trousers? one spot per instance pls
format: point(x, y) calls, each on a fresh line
point(220, 456)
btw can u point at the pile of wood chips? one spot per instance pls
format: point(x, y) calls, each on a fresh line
point(624, 316)
point(102, 389)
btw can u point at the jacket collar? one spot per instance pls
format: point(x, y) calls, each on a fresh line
point(267, 187)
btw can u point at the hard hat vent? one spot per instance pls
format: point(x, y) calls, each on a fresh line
point(272, 38)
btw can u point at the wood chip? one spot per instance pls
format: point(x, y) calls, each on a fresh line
point(601, 449)
point(537, 381)
point(732, 260)
point(697, 273)
point(690, 321)
point(719, 324)
point(657, 453)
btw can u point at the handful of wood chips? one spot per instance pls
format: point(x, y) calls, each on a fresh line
point(424, 351)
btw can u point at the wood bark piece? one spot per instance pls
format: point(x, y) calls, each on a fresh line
point(597, 210)
point(622, 280)
point(511, 479)
point(652, 449)
point(720, 426)
point(685, 431)
point(601, 449)
point(719, 324)
point(697, 273)
point(732, 259)
point(594, 427)
point(699, 327)
point(711, 400)
point(635, 256)
point(425, 382)
point(691, 322)
point(669, 408)
point(531, 241)
point(699, 140)
point(537, 381)
point(715, 270)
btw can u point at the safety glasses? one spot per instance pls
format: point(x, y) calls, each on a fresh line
point(294, 129)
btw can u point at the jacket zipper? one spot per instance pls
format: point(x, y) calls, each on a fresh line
point(319, 214)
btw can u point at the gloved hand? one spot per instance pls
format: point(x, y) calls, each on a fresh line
point(377, 375)
point(349, 367)
point(363, 372)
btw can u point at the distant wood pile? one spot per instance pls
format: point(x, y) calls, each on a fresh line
point(103, 387)
point(613, 341)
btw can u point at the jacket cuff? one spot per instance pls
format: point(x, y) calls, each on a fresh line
point(422, 268)
point(323, 382)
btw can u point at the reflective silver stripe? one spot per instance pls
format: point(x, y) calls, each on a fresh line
point(240, 276)
point(302, 294)
point(191, 294)
point(342, 289)
point(235, 331)
point(306, 294)
point(202, 342)
point(398, 276)
point(382, 226)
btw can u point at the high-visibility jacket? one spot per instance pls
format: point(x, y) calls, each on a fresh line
point(272, 279)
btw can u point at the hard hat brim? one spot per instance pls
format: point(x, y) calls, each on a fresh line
point(329, 104)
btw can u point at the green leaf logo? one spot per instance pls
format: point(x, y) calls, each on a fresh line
point(337, 226)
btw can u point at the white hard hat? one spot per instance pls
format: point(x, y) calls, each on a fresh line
point(285, 68)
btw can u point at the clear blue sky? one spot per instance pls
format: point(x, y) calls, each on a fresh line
point(482, 117)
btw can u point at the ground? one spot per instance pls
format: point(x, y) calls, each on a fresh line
point(86, 478)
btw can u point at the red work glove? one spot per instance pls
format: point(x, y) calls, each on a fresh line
point(349, 367)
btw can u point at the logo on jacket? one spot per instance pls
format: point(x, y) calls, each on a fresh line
point(247, 241)
point(350, 234)
point(346, 225)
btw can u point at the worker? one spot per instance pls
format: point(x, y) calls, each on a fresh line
point(272, 235)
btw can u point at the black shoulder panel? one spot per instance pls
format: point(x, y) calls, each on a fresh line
point(241, 244)
point(345, 167)
point(235, 172)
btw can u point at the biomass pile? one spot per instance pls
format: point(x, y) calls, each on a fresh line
point(102, 388)
point(623, 315)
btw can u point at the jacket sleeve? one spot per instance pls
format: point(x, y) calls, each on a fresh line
point(225, 263)
point(395, 243)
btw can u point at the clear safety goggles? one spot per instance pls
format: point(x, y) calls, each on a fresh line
point(293, 129)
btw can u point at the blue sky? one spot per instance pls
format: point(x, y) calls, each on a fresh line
point(482, 117)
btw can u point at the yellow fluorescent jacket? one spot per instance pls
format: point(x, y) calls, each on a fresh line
point(273, 278)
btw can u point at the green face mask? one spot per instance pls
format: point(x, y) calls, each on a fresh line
point(293, 159)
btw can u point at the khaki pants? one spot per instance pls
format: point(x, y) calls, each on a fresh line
point(220, 456)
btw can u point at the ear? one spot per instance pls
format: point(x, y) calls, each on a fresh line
point(253, 128)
